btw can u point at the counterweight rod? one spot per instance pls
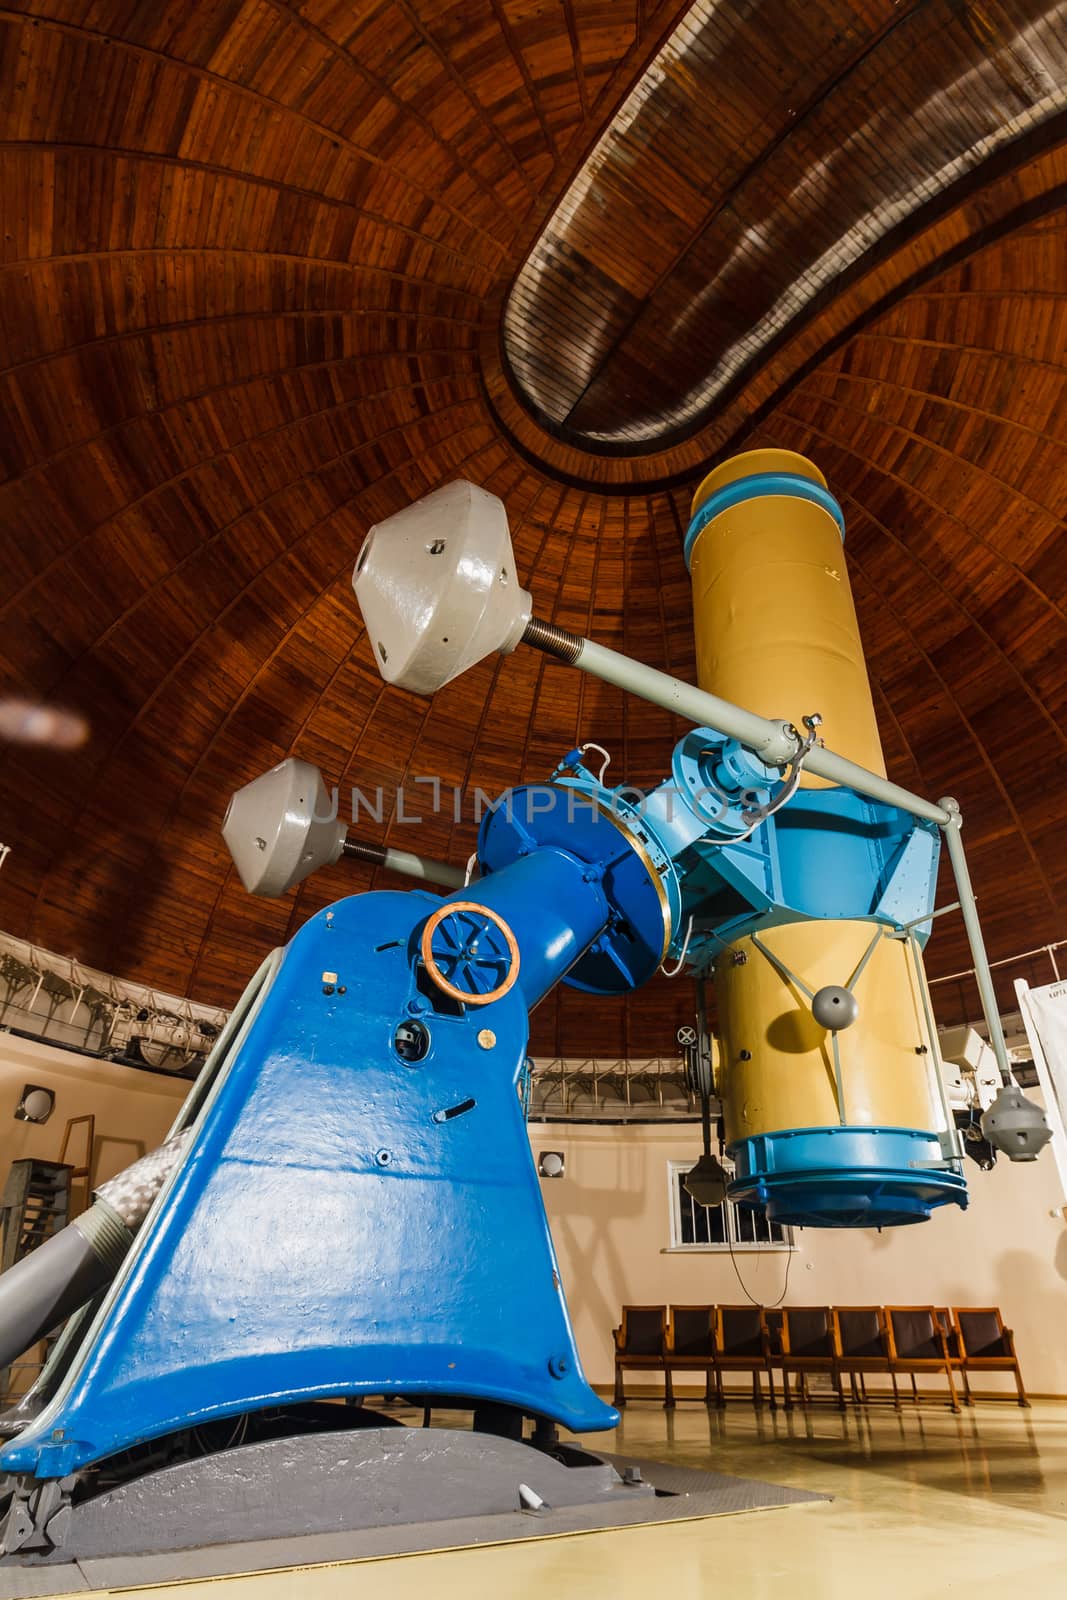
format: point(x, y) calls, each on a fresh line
point(403, 861)
point(777, 743)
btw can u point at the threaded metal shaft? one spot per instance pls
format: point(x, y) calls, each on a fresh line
point(358, 851)
point(553, 641)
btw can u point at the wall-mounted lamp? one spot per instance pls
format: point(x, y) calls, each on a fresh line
point(550, 1164)
point(36, 1104)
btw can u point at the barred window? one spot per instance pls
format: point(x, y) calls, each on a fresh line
point(697, 1227)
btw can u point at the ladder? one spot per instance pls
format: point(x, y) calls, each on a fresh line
point(35, 1204)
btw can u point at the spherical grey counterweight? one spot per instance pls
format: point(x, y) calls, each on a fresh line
point(834, 1008)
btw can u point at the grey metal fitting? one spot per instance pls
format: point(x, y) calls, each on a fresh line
point(131, 1192)
point(104, 1229)
point(1015, 1125)
point(781, 746)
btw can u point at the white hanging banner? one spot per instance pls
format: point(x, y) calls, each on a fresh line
point(1044, 1014)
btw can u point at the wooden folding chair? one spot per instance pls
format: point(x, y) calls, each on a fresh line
point(640, 1343)
point(742, 1345)
point(986, 1345)
point(917, 1344)
point(862, 1346)
point(691, 1345)
point(808, 1346)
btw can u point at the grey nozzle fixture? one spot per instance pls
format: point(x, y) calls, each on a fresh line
point(55, 1280)
point(61, 1275)
point(1015, 1125)
point(707, 1181)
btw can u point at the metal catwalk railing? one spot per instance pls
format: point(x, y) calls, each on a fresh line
point(1048, 950)
point(56, 999)
point(611, 1090)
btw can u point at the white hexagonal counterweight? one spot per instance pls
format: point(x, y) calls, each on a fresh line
point(279, 828)
point(437, 587)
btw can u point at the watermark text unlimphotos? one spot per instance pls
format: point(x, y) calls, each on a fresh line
point(410, 805)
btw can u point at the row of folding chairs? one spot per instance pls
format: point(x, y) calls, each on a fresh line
point(839, 1342)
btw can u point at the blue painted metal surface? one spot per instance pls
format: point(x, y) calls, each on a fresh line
point(845, 1177)
point(600, 827)
point(754, 487)
point(347, 1221)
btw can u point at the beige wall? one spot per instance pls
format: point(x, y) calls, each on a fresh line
point(133, 1109)
point(610, 1222)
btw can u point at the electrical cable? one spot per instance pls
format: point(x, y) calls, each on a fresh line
point(765, 1305)
point(237, 1438)
point(599, 748)
point(680, 963)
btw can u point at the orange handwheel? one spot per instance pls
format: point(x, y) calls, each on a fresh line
point(469, 952)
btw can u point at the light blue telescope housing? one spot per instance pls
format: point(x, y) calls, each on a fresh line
point(728, 864)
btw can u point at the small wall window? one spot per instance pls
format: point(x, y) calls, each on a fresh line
point(697, 1227)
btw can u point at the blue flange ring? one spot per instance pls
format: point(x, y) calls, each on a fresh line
point(754, 487)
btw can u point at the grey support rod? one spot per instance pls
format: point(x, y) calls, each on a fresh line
point(969, 908)
point(402, 861)
point(778, 743)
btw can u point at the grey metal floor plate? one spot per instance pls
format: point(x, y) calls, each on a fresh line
point(685, 1494)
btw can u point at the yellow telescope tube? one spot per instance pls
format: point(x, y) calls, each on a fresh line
point(776, 632)
point(775, 623)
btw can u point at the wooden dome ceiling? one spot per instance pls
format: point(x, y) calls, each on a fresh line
point(769, 152)
point(255, 262)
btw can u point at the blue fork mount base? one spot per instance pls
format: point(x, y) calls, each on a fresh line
point(844, 1177)
point(330, 1232)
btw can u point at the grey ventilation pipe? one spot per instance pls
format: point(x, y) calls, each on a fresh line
point(62, 1275)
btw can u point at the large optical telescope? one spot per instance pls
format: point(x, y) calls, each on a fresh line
point(347, 1205)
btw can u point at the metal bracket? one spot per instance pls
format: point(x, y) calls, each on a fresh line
point(780, 966)
point(904, 928)
point(39, 1515)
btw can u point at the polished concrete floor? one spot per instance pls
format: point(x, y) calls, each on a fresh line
point(925, 1504)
